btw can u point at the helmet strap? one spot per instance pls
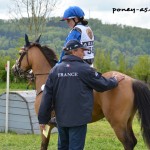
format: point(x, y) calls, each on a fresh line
point(75, 22)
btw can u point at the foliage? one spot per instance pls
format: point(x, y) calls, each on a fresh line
point(142, 68)
point(14, 86)
point(117, 47)
point(102, 61)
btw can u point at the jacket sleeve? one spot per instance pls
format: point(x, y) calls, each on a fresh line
point(44, 114)
point(73, 35)
point(96, 81)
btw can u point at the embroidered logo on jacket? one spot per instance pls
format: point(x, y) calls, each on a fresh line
point(69, 74)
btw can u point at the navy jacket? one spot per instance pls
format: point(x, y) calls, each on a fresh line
point(70, 88)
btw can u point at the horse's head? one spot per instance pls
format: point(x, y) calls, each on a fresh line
point(22, 65)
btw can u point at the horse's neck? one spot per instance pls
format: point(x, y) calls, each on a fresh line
point(40, 80)
point(41, 76)
point(41, 68)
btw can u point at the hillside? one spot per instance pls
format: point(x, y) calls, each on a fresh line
point(117, 47)
point(129, 40)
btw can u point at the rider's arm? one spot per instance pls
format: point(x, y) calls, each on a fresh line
point(73, 35)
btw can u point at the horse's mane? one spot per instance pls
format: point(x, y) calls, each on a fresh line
point(49, 53)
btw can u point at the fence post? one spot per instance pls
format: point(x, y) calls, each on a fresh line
point(7, 95)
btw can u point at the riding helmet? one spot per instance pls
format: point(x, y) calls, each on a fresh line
point(72, 12)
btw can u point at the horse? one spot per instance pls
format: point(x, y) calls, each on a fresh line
point(118, 105)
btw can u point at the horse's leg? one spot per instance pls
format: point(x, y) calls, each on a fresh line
point(130, 131)
point(45, 141)
point(119, 111)
point(124, 132)
point(121, 132)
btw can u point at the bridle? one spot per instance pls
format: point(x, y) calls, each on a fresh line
point(17, 68)
point(22, 73)
point(24, 52)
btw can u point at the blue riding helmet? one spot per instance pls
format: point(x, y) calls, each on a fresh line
point(72, 12)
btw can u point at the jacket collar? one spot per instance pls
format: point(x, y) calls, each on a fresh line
point(72, 58)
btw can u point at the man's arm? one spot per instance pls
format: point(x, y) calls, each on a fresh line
point(44, 114)
point(96, 81)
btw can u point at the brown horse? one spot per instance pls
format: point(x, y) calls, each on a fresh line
point(118, 105)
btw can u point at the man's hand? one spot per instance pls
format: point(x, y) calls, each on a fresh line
point(119, 77)
point(42, 126)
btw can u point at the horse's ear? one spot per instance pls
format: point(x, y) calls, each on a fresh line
point(27, 43)
point(38, 39)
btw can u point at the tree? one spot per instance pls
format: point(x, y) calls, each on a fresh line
point(102, 61)
point(31, 15)
point(142, 68)
point(122, 63)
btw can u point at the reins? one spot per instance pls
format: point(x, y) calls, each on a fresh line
point(38, 93)
point(39, 74)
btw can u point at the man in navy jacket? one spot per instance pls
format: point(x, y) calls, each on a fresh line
point(70, 89)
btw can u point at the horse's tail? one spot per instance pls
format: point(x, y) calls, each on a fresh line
point(142, 102)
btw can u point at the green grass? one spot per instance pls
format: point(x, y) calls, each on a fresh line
point(13, 86)
point(100, 136)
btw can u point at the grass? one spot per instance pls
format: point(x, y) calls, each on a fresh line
point(13, 86)
point(100, 136)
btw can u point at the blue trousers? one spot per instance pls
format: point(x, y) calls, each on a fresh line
point(72, 138)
